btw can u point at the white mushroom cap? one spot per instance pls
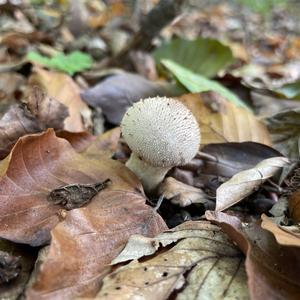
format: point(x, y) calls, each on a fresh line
point(161, 131)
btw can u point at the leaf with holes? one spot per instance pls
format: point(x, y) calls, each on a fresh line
point(213, 265)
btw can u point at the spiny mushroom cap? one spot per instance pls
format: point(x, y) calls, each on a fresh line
point(161, 131)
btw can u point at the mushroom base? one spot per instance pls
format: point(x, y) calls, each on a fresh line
point(150, 176)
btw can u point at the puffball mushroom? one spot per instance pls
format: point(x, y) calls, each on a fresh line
point(162, 133)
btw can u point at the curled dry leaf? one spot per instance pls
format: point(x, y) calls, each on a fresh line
point(246, 182)
point(283, 234)
point(37, 165)
point(62, 87)
point(221, 121)
point(273, 270)
point(231, 158)
point(203, 263)
point(84, 244)
point(36, 114)
point(116, 93)
point(180, 193)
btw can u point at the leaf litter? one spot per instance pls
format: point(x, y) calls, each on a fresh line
point(68, 72)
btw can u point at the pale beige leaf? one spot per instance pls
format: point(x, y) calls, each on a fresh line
point(63, 88)
point(283, 234)
point(213, 265)
point(246, 182)
point(180, 193)
point(221, 121)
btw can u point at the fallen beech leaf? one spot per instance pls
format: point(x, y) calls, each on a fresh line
point(272, 270)
point(221, 121)
point(294, 205)
point(38, 164)
point(79, 140)
point(246, 182)
point(36, 114)
point(118, 92)
point(180, 193)
point(84, 244)
point(106, 143)
point(213, 266)
point(62, 87)
point(285, 132)
point(231, 158)
point(282, 234)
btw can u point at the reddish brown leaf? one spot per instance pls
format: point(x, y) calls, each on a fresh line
point(36, 114)
point(273, 270)
point(294, 205)
point(86, 242)
point(39, 164)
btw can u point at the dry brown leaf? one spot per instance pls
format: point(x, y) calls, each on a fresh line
point(282, 234)
point(273, 270)
point(221, 121)
point(294, 205)
point(106, 143)
point(39, 164)
point(213, 266)
point(180, 193)
point(62, 87)
point(36, 114)
point(88, 239)
point(246, 182)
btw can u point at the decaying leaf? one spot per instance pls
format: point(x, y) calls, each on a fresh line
point(35, 114)
point(231, 158)
point(37, 165)
point(284, 128)
point(203, 264)
point(246, 182)
point(221, 121)
point(272, 270)
point(15, 269)
point(180, 193)
point(283, 235)
point(62, 87)
point(84, 244)
point(116, 93)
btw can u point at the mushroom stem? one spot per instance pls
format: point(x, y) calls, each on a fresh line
point(149, 175)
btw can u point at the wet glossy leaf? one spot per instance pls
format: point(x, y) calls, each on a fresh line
point(231, 158)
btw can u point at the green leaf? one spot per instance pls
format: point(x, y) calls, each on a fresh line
point(291, 90)
point(196, 83)
point(71, 63)
point(203, 56)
